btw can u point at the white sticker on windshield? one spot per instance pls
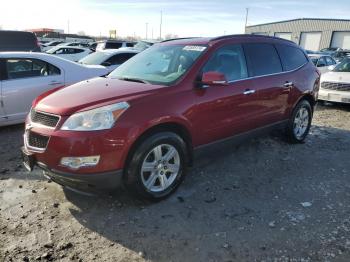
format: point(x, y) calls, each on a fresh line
point(197, 48)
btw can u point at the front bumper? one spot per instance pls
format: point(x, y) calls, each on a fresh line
point(85, 182)
point(334, 96)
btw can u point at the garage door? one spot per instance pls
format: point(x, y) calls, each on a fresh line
point(341, 39)
point(311, 40)
point(287, 36)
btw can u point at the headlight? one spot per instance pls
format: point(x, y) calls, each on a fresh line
point(95, 119)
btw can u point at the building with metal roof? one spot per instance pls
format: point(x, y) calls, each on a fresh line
point(310, 33)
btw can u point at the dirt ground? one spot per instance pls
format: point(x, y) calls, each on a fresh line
point(265, 200)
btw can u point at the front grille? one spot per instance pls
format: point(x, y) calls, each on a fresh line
point(44, 119)
point(37, 141)
point(336, 86)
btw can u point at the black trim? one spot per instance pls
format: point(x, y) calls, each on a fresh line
point(84, 182)
point(240, 138)
point(2, 69)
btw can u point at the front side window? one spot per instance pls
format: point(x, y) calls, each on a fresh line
point(25, 68)
point(162, 65)
point(321, 62)
point(330, 61)
point(292, 57)
point(230, 61)
point(262, 59)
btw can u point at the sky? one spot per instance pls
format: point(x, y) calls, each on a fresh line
point(182, 17)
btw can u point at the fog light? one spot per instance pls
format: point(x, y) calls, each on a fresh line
point(78, 162)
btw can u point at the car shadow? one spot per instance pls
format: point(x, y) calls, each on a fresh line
point(235, 204)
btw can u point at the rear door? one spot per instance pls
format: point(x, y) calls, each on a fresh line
point(265, 69)
point(26, 79)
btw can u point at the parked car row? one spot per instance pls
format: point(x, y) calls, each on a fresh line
point(26, 75)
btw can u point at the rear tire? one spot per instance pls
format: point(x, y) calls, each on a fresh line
point(299, 124)
point(157, 166)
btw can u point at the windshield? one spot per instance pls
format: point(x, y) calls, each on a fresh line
point(160, 64)
point(141, 45)
point(52, 50)
point(344, 66)
point(96, 58)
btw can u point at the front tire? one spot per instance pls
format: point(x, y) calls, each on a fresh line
point(157, 166)
point(300, 122)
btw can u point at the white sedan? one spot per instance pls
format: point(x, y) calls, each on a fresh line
point(110, 58)
point(72, 53)
point(26, 75)
point(335, 85)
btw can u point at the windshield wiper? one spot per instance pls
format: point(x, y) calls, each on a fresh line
point(133, 80)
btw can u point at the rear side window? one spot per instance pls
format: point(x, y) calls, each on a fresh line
point(262, 59)
point(25, 68)
point(330, 61)
point(76, 51)
point(111, 45)
point(292, 57)
point(129, 44)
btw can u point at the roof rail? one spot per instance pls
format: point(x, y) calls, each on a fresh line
point(247, 35)
point(183, 38)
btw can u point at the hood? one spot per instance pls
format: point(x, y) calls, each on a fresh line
point(342, 77)
point(93, 93)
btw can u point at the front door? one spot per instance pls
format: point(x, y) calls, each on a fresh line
point(225, 110)
point(25, 80)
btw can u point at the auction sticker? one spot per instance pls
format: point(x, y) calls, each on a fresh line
point(197, 48)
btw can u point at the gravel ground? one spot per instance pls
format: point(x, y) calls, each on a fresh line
point(265, 200)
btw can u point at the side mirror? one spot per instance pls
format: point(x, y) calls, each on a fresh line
point(330, 68)
point(213, 78)
point(106, 64)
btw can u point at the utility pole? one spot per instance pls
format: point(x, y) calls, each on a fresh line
point(160, 25)
point(146, 30)
point(246, 19)
point(68, 25)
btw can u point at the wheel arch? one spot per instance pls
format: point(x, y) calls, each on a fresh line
point(174, 127)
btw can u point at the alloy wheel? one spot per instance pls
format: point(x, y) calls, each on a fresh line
point(160, 168)
point(301, 122)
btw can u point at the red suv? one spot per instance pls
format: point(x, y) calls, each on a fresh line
point(141, 124)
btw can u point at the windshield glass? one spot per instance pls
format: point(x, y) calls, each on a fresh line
point(344, 66)
point(96, 58)
point(160, 64)
point(52, 50)
point(142, 45)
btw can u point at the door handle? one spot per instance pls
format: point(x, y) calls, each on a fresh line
point(53, 83)
point(249, 92)
point(288, 84)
